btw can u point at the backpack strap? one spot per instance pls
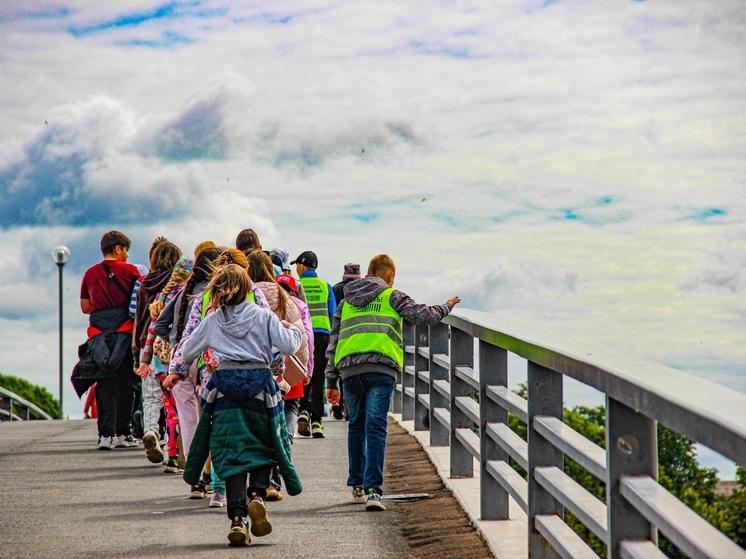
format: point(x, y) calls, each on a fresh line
point(116, 281)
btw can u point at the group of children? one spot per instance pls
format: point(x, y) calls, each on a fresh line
point(211, 338)
point(233, 353)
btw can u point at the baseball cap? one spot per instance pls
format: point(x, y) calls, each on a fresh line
point(283, 256)
point(307, 258)
point(287, 281)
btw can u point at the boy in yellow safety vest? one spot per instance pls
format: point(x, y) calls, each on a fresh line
point(366, 350)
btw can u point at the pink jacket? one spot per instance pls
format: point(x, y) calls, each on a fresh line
point(294, 316)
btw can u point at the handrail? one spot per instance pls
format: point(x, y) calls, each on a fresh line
point(463, 401)
point(25, 403)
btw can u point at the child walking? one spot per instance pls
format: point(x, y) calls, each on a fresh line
point(242, 425)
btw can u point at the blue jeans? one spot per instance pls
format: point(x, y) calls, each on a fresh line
point(368, 397)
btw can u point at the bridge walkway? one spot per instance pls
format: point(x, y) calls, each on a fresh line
point(63, 498)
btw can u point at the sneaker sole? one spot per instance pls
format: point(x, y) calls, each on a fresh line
point(260, 525)
point(238, 537)
point(319, 435)
point(196, 495)
point(375, 507)
point(273, 496)
point(170, 470)
point(359, 500)
point(304, 427)
point(217, 504)
point(153, 449)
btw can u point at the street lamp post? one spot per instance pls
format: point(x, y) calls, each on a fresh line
point(60, 255)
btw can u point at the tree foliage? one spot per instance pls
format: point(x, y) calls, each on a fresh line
point(31, 392)
point(678, 471)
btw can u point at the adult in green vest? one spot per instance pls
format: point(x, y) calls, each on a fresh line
point(366, 350)
point(321, 306)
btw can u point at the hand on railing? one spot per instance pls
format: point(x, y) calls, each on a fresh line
point(453, 302)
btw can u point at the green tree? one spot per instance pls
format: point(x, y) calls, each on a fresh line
point(31, 392)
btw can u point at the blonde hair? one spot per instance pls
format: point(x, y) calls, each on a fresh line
point(233, 256)
point(202, 246)
point(177, 278)
point(381, 265)
point(230, 285)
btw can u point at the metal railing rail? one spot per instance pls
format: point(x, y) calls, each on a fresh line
point(26, 408)
point(437, 391)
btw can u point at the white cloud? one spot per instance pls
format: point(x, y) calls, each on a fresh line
point(573, 165)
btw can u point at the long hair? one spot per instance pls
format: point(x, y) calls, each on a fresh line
point(203, 267)
point(260, 269)
point(230, 284)
point(177, 278)
point(165, 256)
point(233, 256)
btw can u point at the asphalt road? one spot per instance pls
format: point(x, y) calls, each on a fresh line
point(63, 498)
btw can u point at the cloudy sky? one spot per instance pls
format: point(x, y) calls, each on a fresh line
point(575, 165)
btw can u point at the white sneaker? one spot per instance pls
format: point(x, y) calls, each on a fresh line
point(125, 441)
point(218, 500)
point(105, 443)
point(358, 495)
point(153, 447)
point(373, 501)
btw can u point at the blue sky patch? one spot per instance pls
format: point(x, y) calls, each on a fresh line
point(707, 214)
point(164, 12)
point(168, 39)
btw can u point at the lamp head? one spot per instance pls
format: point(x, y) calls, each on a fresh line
point(60, 255)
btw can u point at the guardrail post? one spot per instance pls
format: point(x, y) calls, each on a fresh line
point(7, 405)
point(544, 398)
point(631, 449)
point(493, 371)
point(407, 381)
point(438, 344)
point(462, 354)
point(421, 413)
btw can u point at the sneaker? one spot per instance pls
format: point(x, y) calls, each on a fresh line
point(125, 441)
point(239, 533)
point(358, 495)
point(207, 481)
point(373, 501)
point(171, 466)
point(273, 494)
point(337, 413)
point(218, 500)
point(304, 422)
point(317, 430)
point(105, 443)
point(152, 447)
point(198, 490)
point(260, 525)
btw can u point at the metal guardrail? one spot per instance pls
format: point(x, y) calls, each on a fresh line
point(442, 374)
point(26, 408)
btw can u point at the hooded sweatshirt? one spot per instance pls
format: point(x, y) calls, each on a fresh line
point(242, 337)
point(151, 286)
point(359, 293)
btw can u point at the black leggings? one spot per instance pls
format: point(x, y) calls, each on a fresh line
point(236, 492)
point(314, 397)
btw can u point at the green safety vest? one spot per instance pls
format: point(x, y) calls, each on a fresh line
point(374, 328)
point(317, 298)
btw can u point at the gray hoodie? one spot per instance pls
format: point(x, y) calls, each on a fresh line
point(242, 337)
point(359, 293)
